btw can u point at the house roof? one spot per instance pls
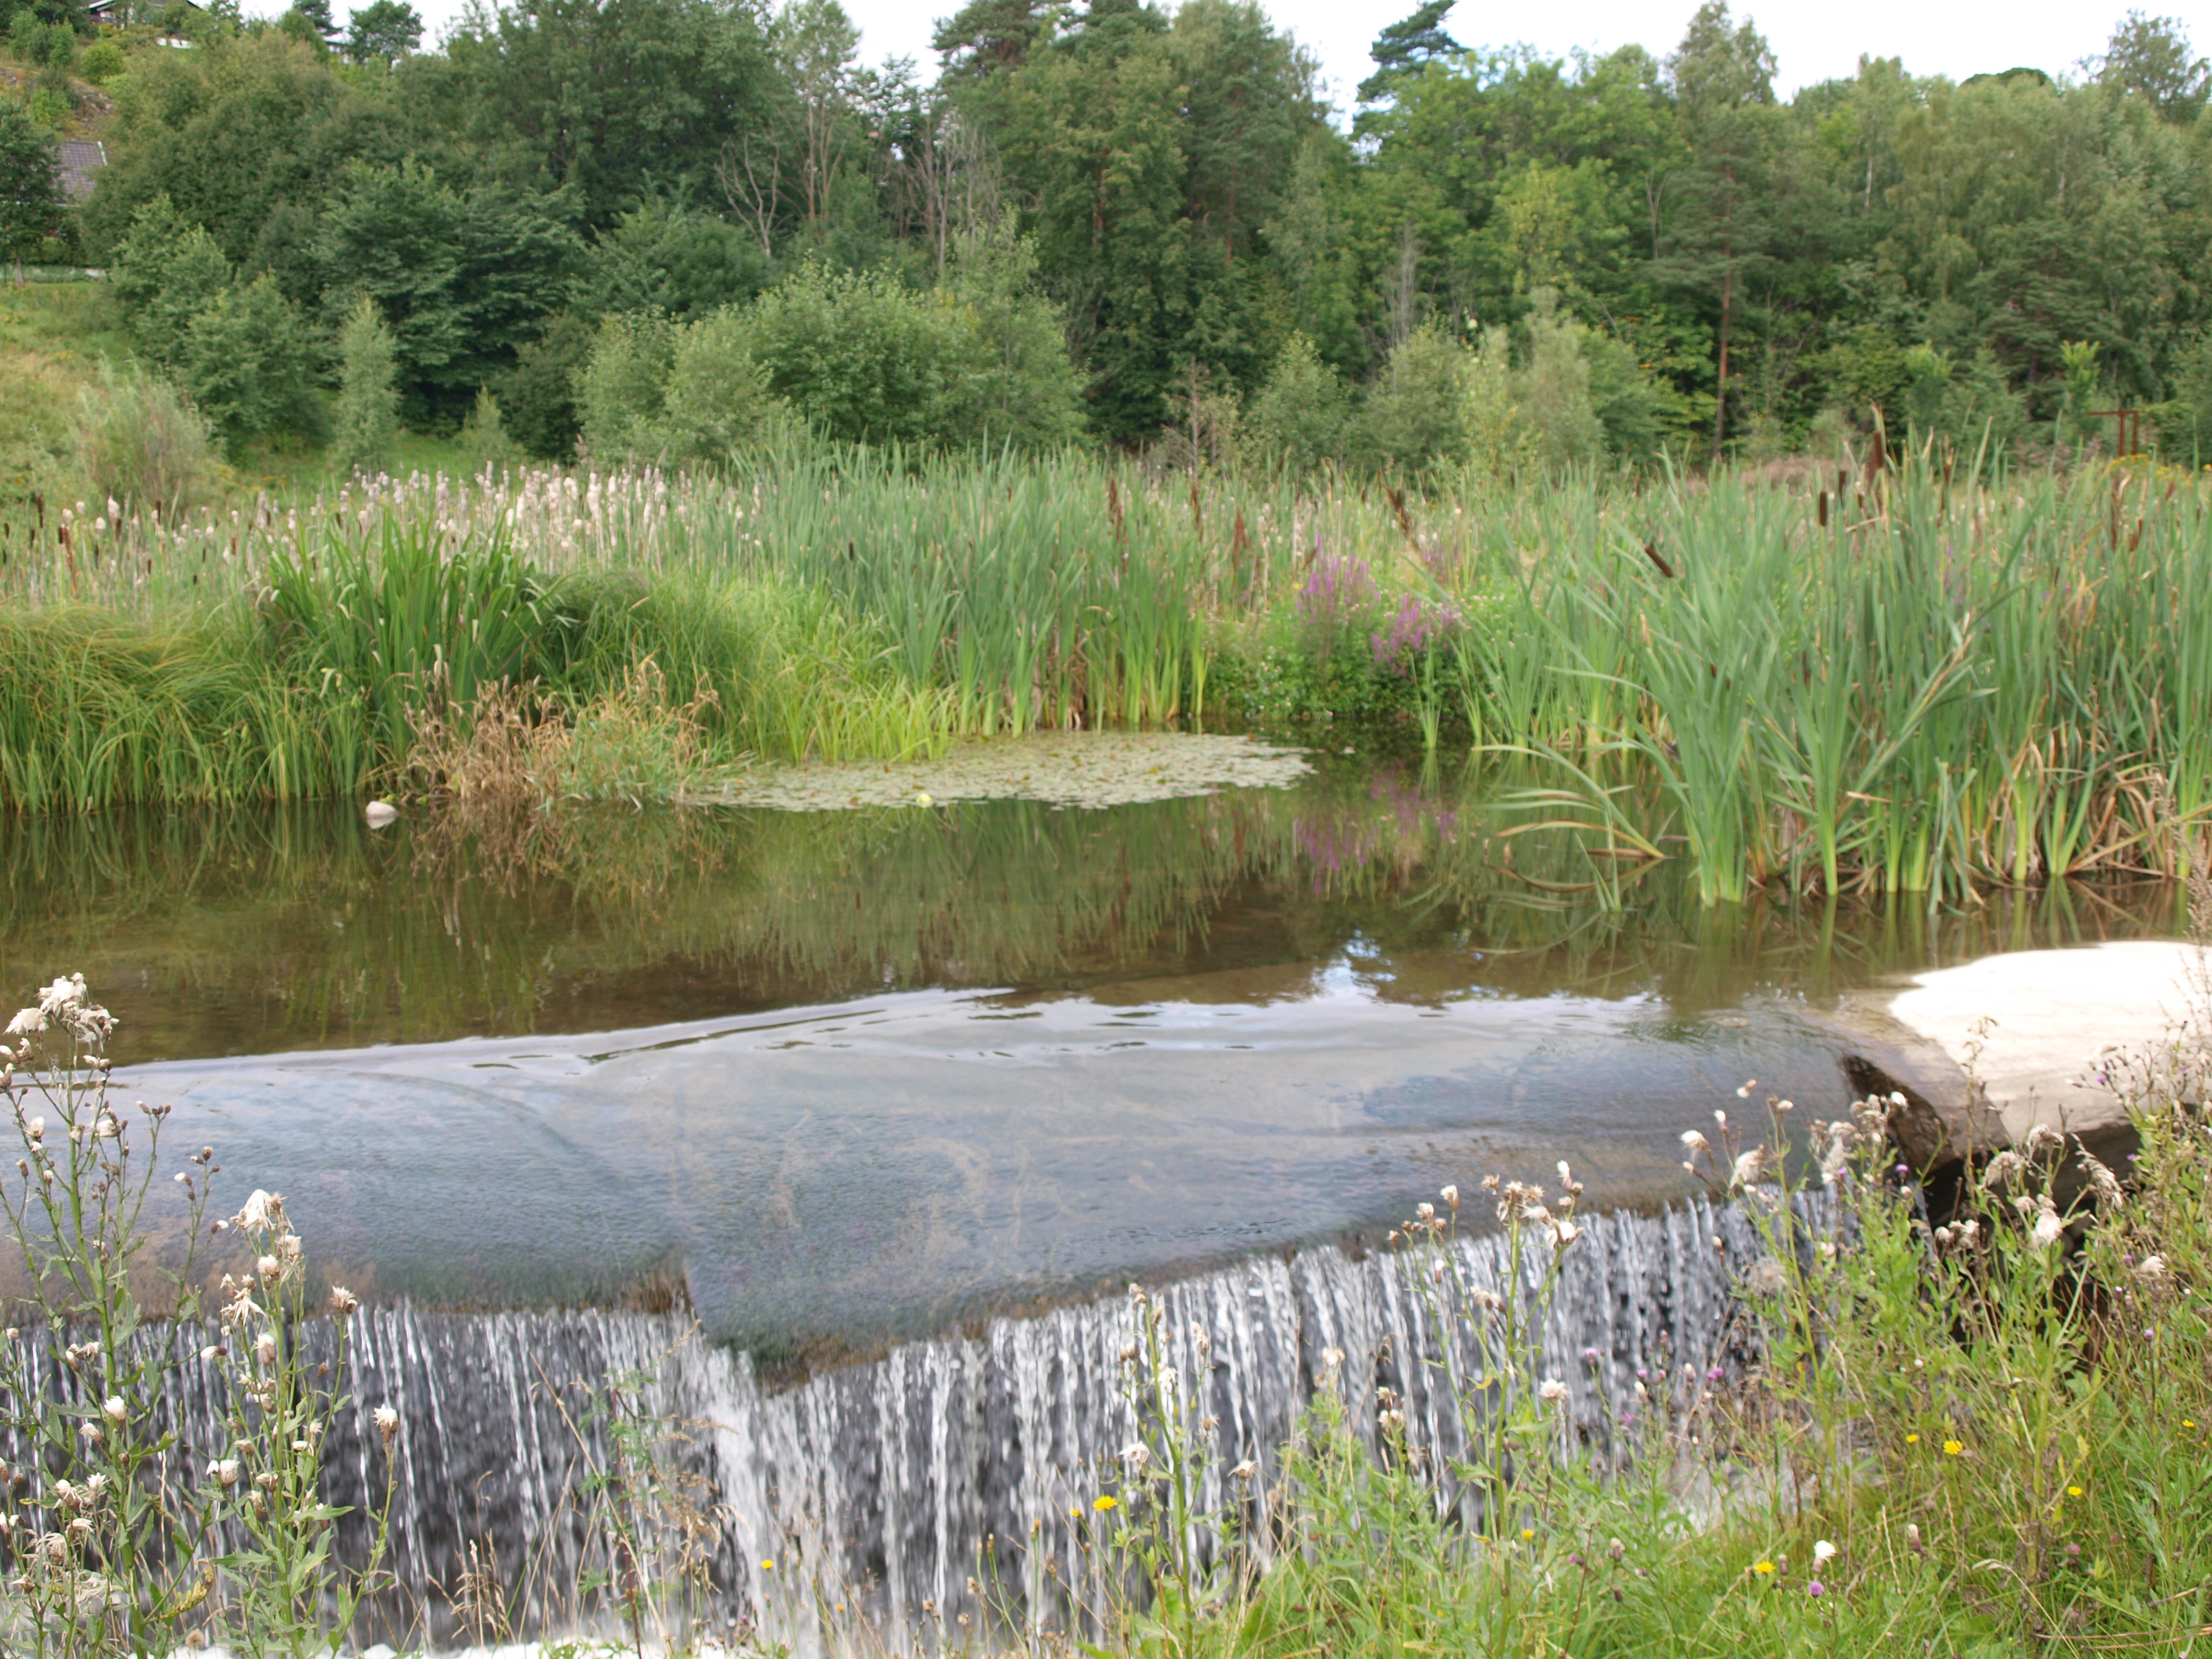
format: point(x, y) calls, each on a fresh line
point(81, 159)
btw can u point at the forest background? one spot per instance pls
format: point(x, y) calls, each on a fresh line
point(673, 229)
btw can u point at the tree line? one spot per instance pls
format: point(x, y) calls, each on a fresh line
point(672, 227)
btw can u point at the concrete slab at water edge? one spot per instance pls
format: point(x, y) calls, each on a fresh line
point(1999, 1045)
point(1945, 1116)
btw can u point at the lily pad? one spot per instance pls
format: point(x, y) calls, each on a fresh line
point(1068, 768)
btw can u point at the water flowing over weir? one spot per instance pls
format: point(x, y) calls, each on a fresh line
point(884, 1487)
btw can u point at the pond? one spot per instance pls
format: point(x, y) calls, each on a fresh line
point(847, 1077)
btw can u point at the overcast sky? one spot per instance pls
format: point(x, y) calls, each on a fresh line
point(1813, 41)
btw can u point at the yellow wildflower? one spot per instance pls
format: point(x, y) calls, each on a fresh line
point(1104, 1502)
point(2073, 1491)
point(1527, 1532)
point(1953, 1448)
point(768, 1566)
point(1911, 1439)
point(1764, 1567)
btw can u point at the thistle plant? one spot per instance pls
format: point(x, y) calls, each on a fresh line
point(1511, 1415)
point(656, 1522)
point(101, 1546)
point(121, 1538)
point(1163, 1523)
point(271, 1534)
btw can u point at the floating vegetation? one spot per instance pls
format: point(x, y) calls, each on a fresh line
point(1072, 768)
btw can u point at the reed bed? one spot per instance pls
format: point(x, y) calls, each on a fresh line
point(1931, 677)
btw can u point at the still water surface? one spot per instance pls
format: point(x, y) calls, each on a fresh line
point(854, 1075)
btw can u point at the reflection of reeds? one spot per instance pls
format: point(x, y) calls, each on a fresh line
point(302, 928)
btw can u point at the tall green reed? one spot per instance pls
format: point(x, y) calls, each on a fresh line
point(1936, 678)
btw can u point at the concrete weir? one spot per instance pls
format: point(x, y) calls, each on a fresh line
point(1985, 1051)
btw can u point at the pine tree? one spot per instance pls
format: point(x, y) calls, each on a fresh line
point(1723, 228)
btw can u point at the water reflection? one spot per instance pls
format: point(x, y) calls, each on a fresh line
point(258, 932)
point(858, 1074)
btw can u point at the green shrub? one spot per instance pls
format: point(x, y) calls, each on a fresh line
point(1417, 417)
point(716, 403)
point(249, 363)
point(139, 443)
point(241, 352)
point(670, 260)
point(1016, 383)
point(42, 45)
point(1300, 417)
point(50, 109)
point(485, 441)
point(102, 62)
point(864, 357)
point(1554, 390)
point(367, 420)
point(537, 396)
point(30, 181)
point(621, 388)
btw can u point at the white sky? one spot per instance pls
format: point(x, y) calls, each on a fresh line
point(1813, 41)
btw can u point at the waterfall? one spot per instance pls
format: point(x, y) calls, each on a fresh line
point(884, 1488)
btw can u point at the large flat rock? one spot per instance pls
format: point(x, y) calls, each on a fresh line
point(2024, 1030)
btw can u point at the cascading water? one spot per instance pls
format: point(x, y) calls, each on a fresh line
point(879, 1491)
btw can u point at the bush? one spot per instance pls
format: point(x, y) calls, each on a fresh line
point(485, 441)
point(51, 110)
point(861, 356)
point(165, 275)
point(30, 183)
point(1631, 405)
point(1555, 390)
point(368, 393)
point(241, 352)
point(248, 363)
point(1499, 440)
point(2185, 421)
point(620, 390)
point(1300, 417)
point(864, 358)
point(1017, 382)
point(537, 396)
point(716, 403)
point(868, 360)
point(141, 444)
point(1966, 407)
point(103, 60)
point(1417, 415)
point(42, 45)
